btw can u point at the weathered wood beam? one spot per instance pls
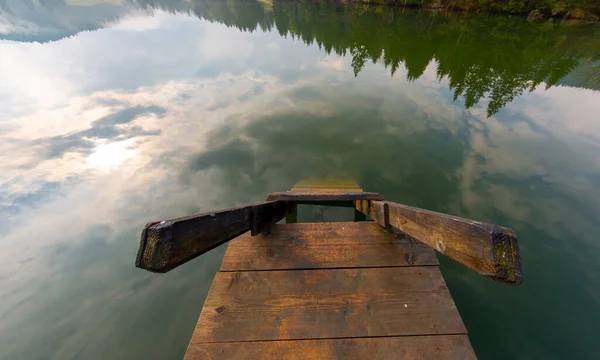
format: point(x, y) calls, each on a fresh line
point(167, 244)
point(323, 196)
point(490, 250)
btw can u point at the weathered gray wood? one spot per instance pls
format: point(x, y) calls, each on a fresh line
point(325, 246)
point(167, 244)
point(437, 347)
point(490, 250)
point(323, 196)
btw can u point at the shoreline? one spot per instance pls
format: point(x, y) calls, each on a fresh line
point(588, 13)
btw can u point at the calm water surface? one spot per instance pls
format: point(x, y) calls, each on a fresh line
point(115, 113)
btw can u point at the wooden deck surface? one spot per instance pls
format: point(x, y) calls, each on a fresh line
point(326, 185)
point(329, 291)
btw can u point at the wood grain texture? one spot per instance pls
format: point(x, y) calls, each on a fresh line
point(490, 250)
point(326, 185)
point(326, 190)
point(164, 245)
point(325, 245)
point(323, 196)
point(441, 347)
point(319, 304)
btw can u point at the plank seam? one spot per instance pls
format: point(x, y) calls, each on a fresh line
point(333, 268)
point(331, 338)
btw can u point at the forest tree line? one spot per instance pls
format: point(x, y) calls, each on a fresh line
point(495, 56)
point(535, 9)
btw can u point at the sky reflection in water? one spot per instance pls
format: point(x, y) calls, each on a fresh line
point(164, 115)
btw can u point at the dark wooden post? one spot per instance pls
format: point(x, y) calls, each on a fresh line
point(167, 244)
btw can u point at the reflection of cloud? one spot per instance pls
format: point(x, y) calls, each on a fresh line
point(580, 106)
point(533, 168)
point(137, 23)
point(333, 62)
point(111, 155)
point(538, 153)
point(258, 130)
point(104, 128)
point(254, 122)
point(225, 43)
point(308, 131)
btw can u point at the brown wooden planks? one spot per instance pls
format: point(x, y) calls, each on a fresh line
point(335, 303)
point(325, 190)
point(323, 196)
point(325, 245)
point(326, 185)
point(444, 347)
point(329, 291)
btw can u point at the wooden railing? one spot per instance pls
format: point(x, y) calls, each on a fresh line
point(488, 249)
point(167, 244)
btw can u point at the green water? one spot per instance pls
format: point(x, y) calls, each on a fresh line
point(113, 114)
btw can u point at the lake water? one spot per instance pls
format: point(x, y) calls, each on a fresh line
point(116, 113)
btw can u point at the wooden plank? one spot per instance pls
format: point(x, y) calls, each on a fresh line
point(323, 304)
point(327, 181)
point(441, 347)
point(326, 185)
point(326, 189)
point(490, 250)
point(325, 245)
point(323, 196)
point(164, 245)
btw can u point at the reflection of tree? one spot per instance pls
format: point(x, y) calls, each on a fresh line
point(244, 15)
point(495, 57)
point(359, 58)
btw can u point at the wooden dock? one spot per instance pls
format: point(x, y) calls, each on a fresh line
point(349, 290)
point(329, 291)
